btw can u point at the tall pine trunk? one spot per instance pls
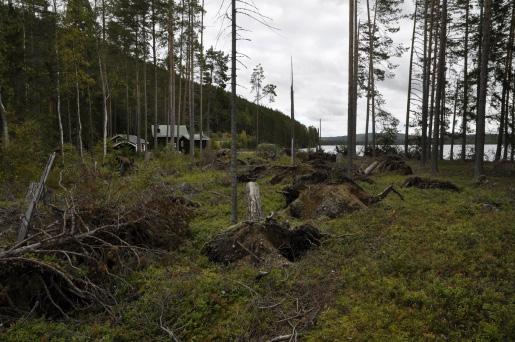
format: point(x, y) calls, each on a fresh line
point(171, 71)
point(154, 55)
point(453, 132)
point(350, 114)
point(428, 45)
point(465, 85)
point(410, 79)
point(483, 85)
point(58, 82)
point(79, 121)
point(201, 64)
point(440, 87)
point(234, 152)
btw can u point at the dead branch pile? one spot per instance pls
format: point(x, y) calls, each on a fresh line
point(268, 242)
point(427, 183)
point(76, 255)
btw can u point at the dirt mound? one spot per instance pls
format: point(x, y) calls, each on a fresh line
point(263, 242)
point(329, 201)
point(427, 183)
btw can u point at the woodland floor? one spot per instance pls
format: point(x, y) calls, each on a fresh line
point(437, 266)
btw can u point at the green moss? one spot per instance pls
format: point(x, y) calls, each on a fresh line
point(434, 266)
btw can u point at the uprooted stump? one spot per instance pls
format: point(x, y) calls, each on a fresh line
point(331, 195)
point(251, 173)
point(262, 242)
point(390, 163)
point(334, 200)
point(427, 183)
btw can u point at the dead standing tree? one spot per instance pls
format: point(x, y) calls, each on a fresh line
point(230, 12)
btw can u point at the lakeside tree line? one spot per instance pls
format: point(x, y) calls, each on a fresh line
point(79, 72)
point(461, 75)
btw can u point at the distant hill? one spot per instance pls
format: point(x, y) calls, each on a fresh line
point(360, 139)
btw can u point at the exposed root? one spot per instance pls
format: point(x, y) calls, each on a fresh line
point(262, 242)
point(427, 183)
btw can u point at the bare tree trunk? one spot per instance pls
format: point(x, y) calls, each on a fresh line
point(171, 70)
point(90, 117)
point(454, 121)
point(505, 103)
point(77, 90)
point(483, 84)
point(154, 57)
point(201, 64)
point(127, 106)
point(428, 46)
point(292, 114)
point(443, 117)
point(104, 104)
point(436, 34)
point(145, 98)
point(191, 85)
point(440, 86)
point(3, 122)
point(408, 109)
point(372, 83)
point(465, 85)
point(350, 114)
point(138, 110)
point(182, 103)
point(234, 152)
point(58, 85)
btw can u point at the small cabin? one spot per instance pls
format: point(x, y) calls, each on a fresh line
point(181, 137)
point(120, 141)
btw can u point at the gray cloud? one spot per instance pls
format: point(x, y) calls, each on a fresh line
point(314, 32)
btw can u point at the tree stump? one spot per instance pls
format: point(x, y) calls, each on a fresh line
point(254, 209)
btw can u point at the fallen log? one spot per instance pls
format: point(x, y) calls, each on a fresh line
point(34, 195)
point(368, 171)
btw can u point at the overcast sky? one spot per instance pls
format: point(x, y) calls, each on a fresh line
point(315, 33)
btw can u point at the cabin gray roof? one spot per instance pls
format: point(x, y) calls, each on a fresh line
point(164, 131)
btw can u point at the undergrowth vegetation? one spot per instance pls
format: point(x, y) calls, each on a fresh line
point(435, 266)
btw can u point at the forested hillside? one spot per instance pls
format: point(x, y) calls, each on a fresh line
point(58, 63)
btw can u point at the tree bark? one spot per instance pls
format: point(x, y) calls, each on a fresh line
point(428, 46)
point(79, 121)
point(191, 85)
point(465, 85)
point(234, 153)
point(408, 109)
point(350, 114)
point(505, 102)
point(440, 87)
point(58, 82)
point(292, 114)
point(254, 210)
point(171, 71)
point(154, 56)
point(201, 64)
point(3, 122)
point(483, 85)
point(454, 121)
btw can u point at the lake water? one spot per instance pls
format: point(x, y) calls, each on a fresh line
point(489, 151)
